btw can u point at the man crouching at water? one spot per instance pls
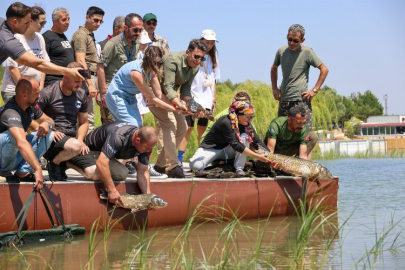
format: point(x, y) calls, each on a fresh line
point(288, 135)
point(116, 140)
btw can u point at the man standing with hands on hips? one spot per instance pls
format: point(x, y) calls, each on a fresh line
point(295, 60)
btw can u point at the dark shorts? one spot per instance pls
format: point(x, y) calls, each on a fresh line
point(118, 170)
point(56, 148)
point(285, 106)
point(200, 122)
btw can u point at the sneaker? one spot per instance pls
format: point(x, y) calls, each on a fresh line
point(240, 172)
point(157, 175)
point(54, 172)
point(176, 172)
point(42, 162)
point(131, 166)
point(159, 169)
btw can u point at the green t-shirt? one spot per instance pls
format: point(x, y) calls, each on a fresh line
point(285, 138)
point(295, 68)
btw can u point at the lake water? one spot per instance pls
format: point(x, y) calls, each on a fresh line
point(370, 219)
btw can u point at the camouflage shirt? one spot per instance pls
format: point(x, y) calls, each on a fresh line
point(285, 138)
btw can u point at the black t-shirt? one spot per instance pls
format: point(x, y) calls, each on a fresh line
point(60, 53)
point(11, 115)
point(9, 45)
point(115, 141)
point(63, 109)
point(221, 135)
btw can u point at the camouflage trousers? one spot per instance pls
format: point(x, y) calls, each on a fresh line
point(285, 106)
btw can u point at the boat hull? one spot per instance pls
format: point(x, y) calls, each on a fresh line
point(78, 202)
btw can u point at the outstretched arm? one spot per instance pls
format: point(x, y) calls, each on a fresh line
point(30, 60)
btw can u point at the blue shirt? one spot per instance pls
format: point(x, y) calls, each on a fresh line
point(122, 83)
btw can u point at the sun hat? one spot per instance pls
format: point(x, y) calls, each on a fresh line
point(144, 38)
point(209, 34)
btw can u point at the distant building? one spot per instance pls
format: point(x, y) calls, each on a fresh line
point(383, 125)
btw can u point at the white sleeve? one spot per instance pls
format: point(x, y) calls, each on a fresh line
point(43, 47)
point(217, 71)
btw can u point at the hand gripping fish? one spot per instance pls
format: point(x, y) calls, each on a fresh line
point(313, 171)
point(137, 202)
point(196, 108)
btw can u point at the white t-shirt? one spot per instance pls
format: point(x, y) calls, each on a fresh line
point(205, 95)
point(36, 47)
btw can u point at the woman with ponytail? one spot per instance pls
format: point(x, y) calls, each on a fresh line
point(139, 76)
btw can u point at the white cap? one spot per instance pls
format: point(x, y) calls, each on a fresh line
point(208, 34)
point(144, 38)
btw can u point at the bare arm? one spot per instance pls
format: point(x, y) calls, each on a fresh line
point(82, 131)
point(81, 58)
point(274, 78)
point(15, 74)
point(143, 178)
point(303, 151)
point(309, 95)
point(137, 78)
point(271, 144)
point(30, 60)
point(24, 147)
point(42, 82)
point(103, 171)
point(42, 126)
point(102, 85)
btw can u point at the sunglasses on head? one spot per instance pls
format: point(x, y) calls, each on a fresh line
point(42, 23)
point(196, 57)
point(136, 30)
point(296, 41)
point(151, 23)
point(98, 21)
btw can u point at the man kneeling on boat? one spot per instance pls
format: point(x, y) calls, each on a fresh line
point(231, 136)
point(21, 152)
point(116, 140)
point(288, 135)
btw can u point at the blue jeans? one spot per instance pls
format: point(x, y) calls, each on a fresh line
point(12, 160)
point(123, 107)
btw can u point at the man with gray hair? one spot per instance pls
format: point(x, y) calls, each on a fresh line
point(288, 135)
point(295, 60)
point(57, 45)
point(180, 69)
point(118, 27)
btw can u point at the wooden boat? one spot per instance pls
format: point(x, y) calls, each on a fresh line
point(78, 202)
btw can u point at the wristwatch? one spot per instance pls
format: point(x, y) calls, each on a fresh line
point(315, 90)
point(49, 124)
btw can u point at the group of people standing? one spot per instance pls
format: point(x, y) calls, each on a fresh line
point(56, 82)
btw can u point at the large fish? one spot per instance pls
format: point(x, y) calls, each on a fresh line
point(196, 109)
point(137, 202)
point(313, 171)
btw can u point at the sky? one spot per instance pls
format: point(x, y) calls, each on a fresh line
point(361, 42)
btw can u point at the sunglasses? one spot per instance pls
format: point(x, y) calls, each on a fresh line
point(196, 57)
point(98, 21)
point(42, 23)
point(159, 64)
point(151, 23)
point(136, 30)
point(296, 41)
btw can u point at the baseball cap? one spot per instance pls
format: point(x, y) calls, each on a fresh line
point(144, 38)
point(209, 34)
point(149, 16)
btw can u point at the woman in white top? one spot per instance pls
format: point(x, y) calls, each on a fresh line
point(203, 89)
point(34, 43)
point(143, 40)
